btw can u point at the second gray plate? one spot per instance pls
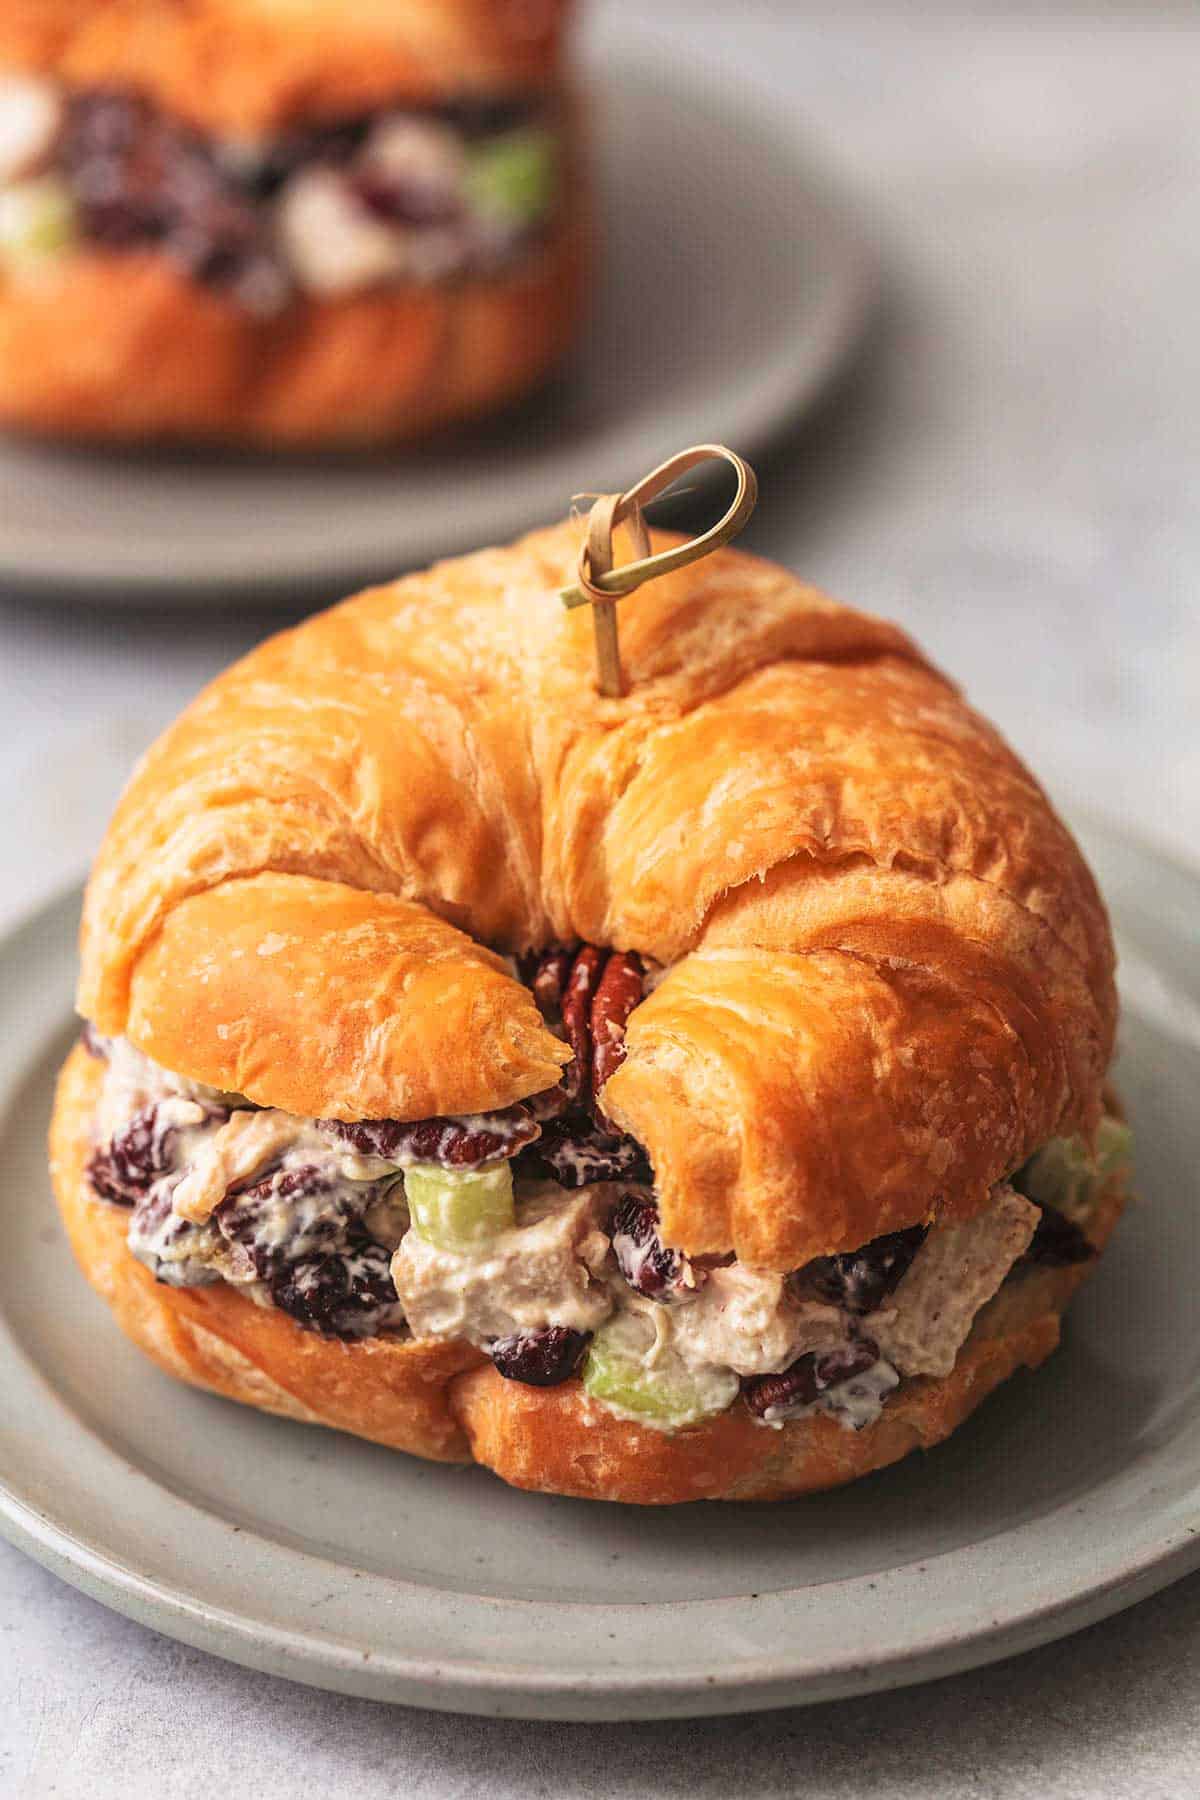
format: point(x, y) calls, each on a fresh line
point(730, 289)
point(1072, 1493)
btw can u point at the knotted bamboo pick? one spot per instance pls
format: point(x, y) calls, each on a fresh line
point(600, 585)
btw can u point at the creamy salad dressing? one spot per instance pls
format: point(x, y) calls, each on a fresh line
point(132, 1081)
point(741, 1322)
point(291, 1195)
point(181, 1255)
point(249, 1142)
point(241, 1193)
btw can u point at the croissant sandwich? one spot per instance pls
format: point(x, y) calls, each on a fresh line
point(283, 222)
point(696, 1094)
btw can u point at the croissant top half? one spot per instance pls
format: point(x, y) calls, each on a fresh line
point(891, 975)
point(250, 66)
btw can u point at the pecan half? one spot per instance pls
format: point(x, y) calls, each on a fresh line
point(620, 989)
point(577, 1018)
point(545, 974)
point(586, 994)
point(807, 1378)
point(455, 1143)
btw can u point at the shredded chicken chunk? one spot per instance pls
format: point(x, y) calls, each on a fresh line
point(959, 1268)
point(742, 1319)
point(543, 1271)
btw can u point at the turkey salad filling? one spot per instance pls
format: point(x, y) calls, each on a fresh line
point(522, 1237)
point(400, 195)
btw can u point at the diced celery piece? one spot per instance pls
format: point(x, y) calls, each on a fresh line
point(459, 1210)
point(667, 1395)
point(37, 220)
point(1114, 1145)
point(1063, 1175)
point(1057, 1175)
point(512, 179)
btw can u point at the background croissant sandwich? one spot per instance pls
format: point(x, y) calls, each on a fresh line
point(693, 1094)
point(283, 221)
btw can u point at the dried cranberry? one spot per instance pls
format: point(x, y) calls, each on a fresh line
point(134, 1159)
point(103, 1176)
point(644, 1260)
point(808, 1378)
point(223, 247)
point(540, 1358)
point(341, 1295)
point(105, 122)
point(117, 155)
point(575, 1152)
point(1058, 1241)
point(332, 145)
point(140, 178)
point(405, 201)
point(453, 1143)
point(315, 1214)
point(841, 1365)
point(860, 1280)
point(620, 989)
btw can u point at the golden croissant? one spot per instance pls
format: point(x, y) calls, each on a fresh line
point(696, 1094)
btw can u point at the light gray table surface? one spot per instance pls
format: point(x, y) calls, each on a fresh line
point(1011, 470)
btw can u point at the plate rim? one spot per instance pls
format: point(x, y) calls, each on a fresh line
point(801, 365)
point(781, 1676)
point(494, 1690)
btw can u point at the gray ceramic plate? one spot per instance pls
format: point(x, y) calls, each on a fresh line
point(1072, 1493)
point(732, 288)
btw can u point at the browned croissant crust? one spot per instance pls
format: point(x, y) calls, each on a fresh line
point(248, 66)
point(892, 974)
point(400, 970)
point(443, 1402)
point(127, 348)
